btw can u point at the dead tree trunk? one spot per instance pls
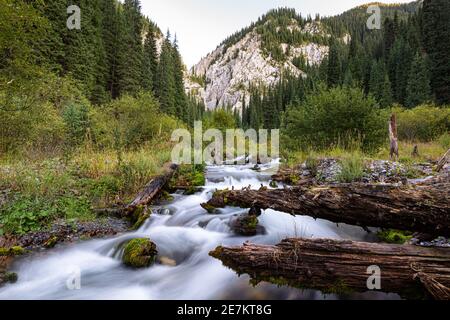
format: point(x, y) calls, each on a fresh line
point(443, 161)
point(343, 266)
point(150, 191)
point(393, 137)
point(423, 208)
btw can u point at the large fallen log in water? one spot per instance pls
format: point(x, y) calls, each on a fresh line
point(344, 266)
point(424, 208)
point(151, 190)
point(145, 197)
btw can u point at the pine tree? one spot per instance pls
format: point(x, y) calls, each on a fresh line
point(166, 81)
point(178, 79)
point(436, 40)
point(150, 60)
point(110, 34)
point(130, 55)
point(399, 67)
point(334, 67)
point(386, 98)
point(418, 89)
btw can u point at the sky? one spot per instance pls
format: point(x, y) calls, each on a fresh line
point(201, 25)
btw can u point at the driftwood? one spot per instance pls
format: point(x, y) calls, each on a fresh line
point(343, 266)
point(424, 208)
point(443, 161)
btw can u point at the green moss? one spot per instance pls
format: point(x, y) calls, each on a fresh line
point(166, 196)
point(273, 184)
point(141, 220)
point(189, 177)
point(339, 287)
point(208, 207)
point(13, 251)
point(139, 253)
point(139, 216)
point(51, 243)
point(294, 179)
point(11, 277)
point(394, 236)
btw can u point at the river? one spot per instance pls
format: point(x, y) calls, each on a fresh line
point(184, 233)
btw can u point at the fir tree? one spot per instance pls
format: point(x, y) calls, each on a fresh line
point(334, 67)
point(418, 89)
point(436, 40)
point(150, 62)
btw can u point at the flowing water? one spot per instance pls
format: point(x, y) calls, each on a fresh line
point(185, 233)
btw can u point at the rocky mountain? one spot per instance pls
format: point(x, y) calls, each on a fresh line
point(282, 41)
point(224, 76)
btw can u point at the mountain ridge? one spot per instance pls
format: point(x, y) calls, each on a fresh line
point(279, 42)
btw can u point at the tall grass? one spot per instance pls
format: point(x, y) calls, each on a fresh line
point(352, 168)
point(39, 192)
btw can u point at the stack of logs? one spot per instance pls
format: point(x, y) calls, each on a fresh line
point(408, 270)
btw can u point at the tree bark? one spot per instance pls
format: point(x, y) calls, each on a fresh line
point(443, 161)
point(343, 266)
point(424, 208)
point(150, 191)
point(393, 137)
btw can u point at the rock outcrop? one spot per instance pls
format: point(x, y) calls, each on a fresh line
point(224, 76)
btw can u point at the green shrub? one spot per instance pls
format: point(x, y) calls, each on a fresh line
point(335, 117)
point(444, 140)
point(424, 123)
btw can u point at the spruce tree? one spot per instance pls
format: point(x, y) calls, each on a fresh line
point(130, 55)
point(436, 40)
point(418, 89)
point(150, 60)
point(178, 80)
point(165, 87)
point(334, 67)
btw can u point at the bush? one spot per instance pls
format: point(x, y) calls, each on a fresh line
point(131, 122)
point(335, 117)
point(424, 123)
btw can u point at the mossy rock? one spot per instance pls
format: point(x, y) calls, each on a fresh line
point(139, 253)
point(247, 225)
point(140, 215)
point(273, 184)
point(11, 277)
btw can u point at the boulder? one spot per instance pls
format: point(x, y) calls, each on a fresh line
point(139, 253)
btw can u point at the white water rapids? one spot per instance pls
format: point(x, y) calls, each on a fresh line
point(184, 233)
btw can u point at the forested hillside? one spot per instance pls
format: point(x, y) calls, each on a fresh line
point(402, 63)
point(45, 64)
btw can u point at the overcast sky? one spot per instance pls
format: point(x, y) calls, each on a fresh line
point(202, 24)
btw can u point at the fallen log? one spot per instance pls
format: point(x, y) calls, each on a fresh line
point(150, 191)
point(424, 208)
point(344, 266)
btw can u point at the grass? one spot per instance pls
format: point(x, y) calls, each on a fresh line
point(352, 168)
point(427, 151)
point(40, 192)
